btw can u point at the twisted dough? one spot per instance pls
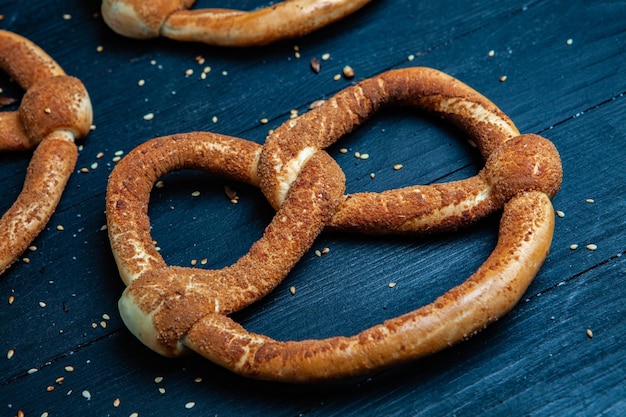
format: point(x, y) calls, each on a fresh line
point(55, 110)
point(144, 19)
point(174, 309)
point(418, 208)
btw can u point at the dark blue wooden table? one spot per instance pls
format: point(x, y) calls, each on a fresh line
point(564, 66)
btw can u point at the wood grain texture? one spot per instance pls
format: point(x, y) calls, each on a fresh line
point(538, 360)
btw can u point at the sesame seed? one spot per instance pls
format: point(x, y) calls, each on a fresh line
point(118, 153)
point(141, 83)
point(135, 414)
point(195, 194)
point(343, 150)
point(411, 57)
point(161, 390)
point(214, 119)
point(159, 184)
point(84, 170)
point(188, 72)
point(365, 156)
point(297, 54)
point(372, 175)
point(11, 299)
point(42, 304)
point(47, 110)
point(94, 165)
point(190, 405)
point(148, 116)
point(206, 70)
point(99, 48)
point(32, 371)
point(116, 402)
point(325, 251)
point(50, 388)
point(103, 324)
point(348, 71)
point(590, 200)
point(491, 53)
point(503, 78)
point(573, 246)
point(60, 227)
point(69, 368)
point(316, 104)
point(67, 16)
point(59, 380)
point(20, 413)
point(589, 333)
point(326, 56)
point(316, 66)
point(569, 41)
point(194, 262)
point(292, 290)
point(357, 154)
point(86, 394)
point(337, 77)
point(318, 253)
point(158, 379)
point(392, 284)
point(10, 353)
point(397, 167)
point(99, 155)
point(204, 261)
point(264, 121)
point(592, 246)
point(197, 379)
point(560, 213)
point(116, 159)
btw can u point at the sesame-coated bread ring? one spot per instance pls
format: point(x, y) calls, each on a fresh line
point(174, 309)
point(143, 19)
point(420, 208)
point(55, 110)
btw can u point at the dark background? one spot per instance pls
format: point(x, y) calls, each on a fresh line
point(538, 360)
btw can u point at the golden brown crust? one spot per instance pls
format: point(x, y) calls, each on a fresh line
point(224, 27)
point(175, 309)
point(55, 110)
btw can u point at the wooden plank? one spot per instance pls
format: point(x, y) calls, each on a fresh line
point(573, 94)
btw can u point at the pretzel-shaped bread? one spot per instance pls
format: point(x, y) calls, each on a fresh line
point(174, 309)
point(55, 110)
point(143, 19)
